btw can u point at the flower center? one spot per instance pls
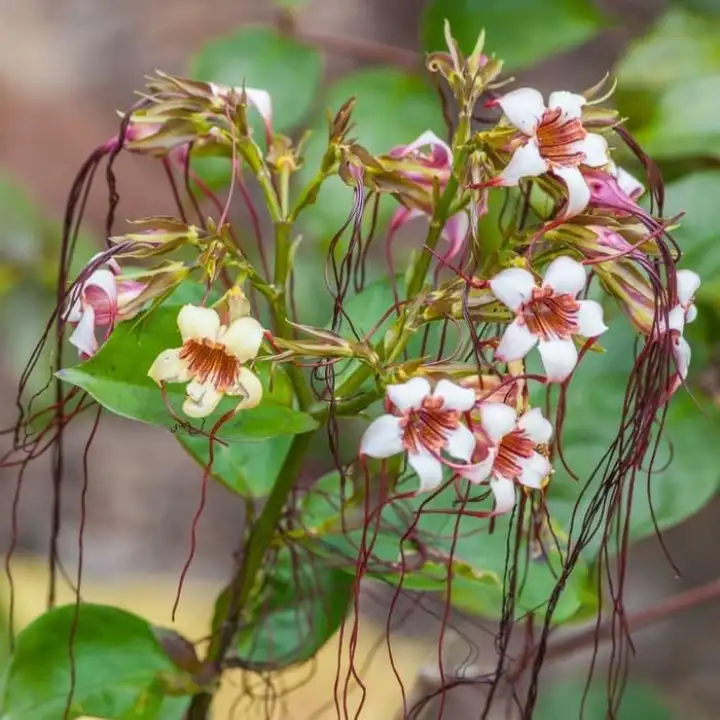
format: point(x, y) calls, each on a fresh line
point(210, 361)
point(427, 426)
point(558, 138)
point(551, 315)
point(515, 446)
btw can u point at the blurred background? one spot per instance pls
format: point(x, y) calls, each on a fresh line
point(66, 67)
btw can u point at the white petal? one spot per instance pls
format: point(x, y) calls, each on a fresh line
point(590, 319)
point(534, 470)
point(455, 232)
point(247, 385)
point(596, 150)
point(168, 367)
point(628, 183)
point(480, 471)
point(454, 397)
point(74, 312)
point(559, 358)
point(683, 355)
point(565, 276)
point(428, 469)
point(497, 419)
point(260, 99)
point(676, 318)
point(198, 323)
point(570, 103)
point(524, 108)
point(201, 399)
point(526, 161)
point(578, 192)
point(461, 443)
point(513, 287)
point(409, 395)
point(243, 338)
point(691, 313)
point(83, 337)
point(516, 342)
point(688, 283)
point(105, 280)
point(383, 438)
point(504, 492)
point(535, 426)
point(428, 138)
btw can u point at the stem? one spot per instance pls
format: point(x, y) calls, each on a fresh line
point(243, 582)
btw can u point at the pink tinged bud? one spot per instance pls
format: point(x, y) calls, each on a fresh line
point(632, 290)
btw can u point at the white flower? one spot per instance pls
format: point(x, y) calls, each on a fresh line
point(511, 454)
point(628, 183)
point(424, 423)
point(548, 315)
point(684, 312)
point(211, 361)
point(554, 141)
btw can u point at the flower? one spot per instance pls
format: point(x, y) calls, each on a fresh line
point(510, 452)
point(548, 315)
point(684, 312)
point(424, 167)
point(423, 423)
point(551, 139)
point(100, 301)
point(211, 361)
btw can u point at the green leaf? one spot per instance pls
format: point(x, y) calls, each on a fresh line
point(300, 607)
point(564, 701)
point(476, 557)
point(260, 58)
point(117, 378)
point(120, 668)
point(655, 93)
point(520, 32)
point(392, 108)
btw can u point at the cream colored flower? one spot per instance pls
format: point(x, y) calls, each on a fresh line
point(211, 360)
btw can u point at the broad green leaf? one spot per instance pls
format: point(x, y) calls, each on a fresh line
point(564, 701)
point(261, 58)
point(120, 668)
point(520, 32)
point(672, 106)
point(117, 378)
point(300, 607)
point(476, 557)
point(392, 108)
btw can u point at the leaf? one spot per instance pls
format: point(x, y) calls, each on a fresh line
point(476, 557)
point(564, 701)
point(656, 94)
point(288, 69)
point(392, 108)
point(520, 32)
point(120, 668)
point(117, 378)
point(300, 607)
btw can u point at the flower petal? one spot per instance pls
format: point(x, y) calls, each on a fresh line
point(198, 323)
point(262, 102)
point(513, 287)
point(428, 138)
point(559, 358)
point(83, 336)
point(454, 397)
point(105, 281)
point(524, 108)
point(516, 342)
point(402, 216)
point(534, 470)
point(504, 492)
point(461, 443)
point(688, 283)
point(683, 355)
point(565, 276)
point(676, 319)
point(691, 313)
point(409, 395)
point(590, 319)
point(428, 469)
point(570, 103)
point(168, 367)
point(455, 232)
point(578, 192)
point(526, 161)
point(243, 338)
point(497, 419)
point(480, 471)
point(535, 426)
point(596, 150)
point(201, 399)
point(247, 385)
point(628, 183)
point(382, 438)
